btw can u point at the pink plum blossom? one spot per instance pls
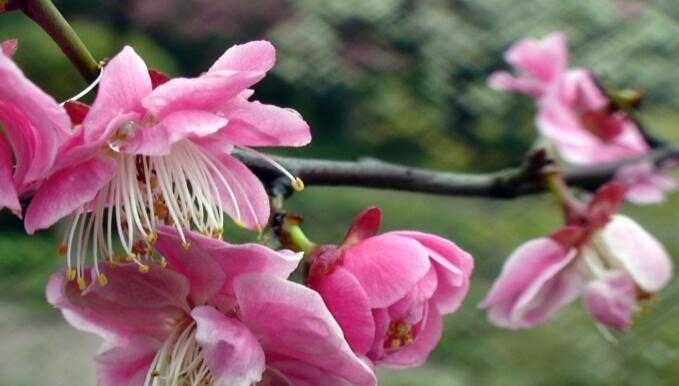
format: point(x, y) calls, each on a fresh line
point(145, 156)
point(219, 314)
point(389, 291)
point(576, 116)
point(34, 126)
point(538, 64)
point(604, 257)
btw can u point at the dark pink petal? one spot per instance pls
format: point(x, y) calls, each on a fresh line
point(253, 56)
point(292, 322)
point(453, 267)
point(8, 194)
point(230, 350)
point(366, 224)
point(123, 85)
point(208, 92)
point(410, 308)
point(8, 47)
point(348, 303)
point(289, 373)
point(641, 254)
point(157, 140)
point(387, 267)
point(611, 299)
point(128, 364)
point(257, 124)
point(382, 321)
point(416, 353)
point(157, 78)
point(77, 111)
point(606, 202)
point(67, 190)
point(44, 113)
point(533, 284)
point(250, 196)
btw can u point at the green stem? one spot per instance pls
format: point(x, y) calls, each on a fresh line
point(48, 17)
point(298, 238)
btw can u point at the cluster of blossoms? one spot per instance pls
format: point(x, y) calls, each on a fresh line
point(145, 175)
point(575, 114)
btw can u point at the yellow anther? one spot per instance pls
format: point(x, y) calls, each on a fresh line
point(395, 343)
point(217, 233)
point(240, 223)
point(62, 249)
point(258, 228)
point(155, 373)
point(297, 184)
point(81, 283)
point(143, 268)
point(102, 279)
point(131, 256)
point(152, 237)
point(114, 261)
point(70, 274)
point(186, 245)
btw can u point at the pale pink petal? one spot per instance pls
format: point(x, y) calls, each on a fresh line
point(453, 267)
point(64, 192)
point(208, 92)
point(230, 350)
point(291, 321)
point(504, 81)
point(250, 196)
point(611, 299)
point(387, 266)
point(416, 353)
point(41, 109)
point(543, 59)
point(253, 56)
point(533, 284)
point(8, 47)
point(257, 124)
point(128, 364)
point(157, 140)
point(365, 225)
point(123, 85)
point(349, 305)
point(644, 193)
point(8, 194)
point(642, 256)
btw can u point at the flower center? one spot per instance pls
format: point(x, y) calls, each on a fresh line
point(183, 189)
point(399, 334)
point(179, 361)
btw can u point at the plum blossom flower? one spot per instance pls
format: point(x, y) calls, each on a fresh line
point(144, 157)
point(34, 126)
point(538, 64)
point(219, 314)
point(576, 116)
point(389, 291)
point(606, 258)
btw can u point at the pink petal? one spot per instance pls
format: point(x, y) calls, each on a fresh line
point(34, 150)
point(291, 321)
point(65, 191)
point(642, 256)
point(257, 124)
point(453, 267)
point(8, 47)
point(44, 113)
point(8, 194)
point(533, 284)
point(504, 81)
point(410, 308)
point(365, 225)
point(611, 300)
point(157, 78)
point(348, 303)
point(250, 196)
point(387, 266)
point(416, 353)
point(212, 265)
point(230, 350)
point(157, 140)
point(253, 56)
point(289, 373)
point(77, 111)
point(543, 59)
point(123, 85)
point(606, 201)
point(128, 364)
point(208, 92)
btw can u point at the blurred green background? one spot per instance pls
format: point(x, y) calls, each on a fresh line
point(403, 80)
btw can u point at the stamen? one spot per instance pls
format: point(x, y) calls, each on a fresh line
point(295, 182)
point(87, 89)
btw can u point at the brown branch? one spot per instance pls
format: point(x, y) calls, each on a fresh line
point(508, 183)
